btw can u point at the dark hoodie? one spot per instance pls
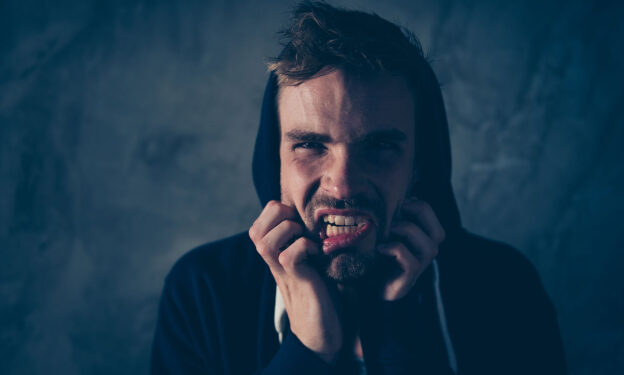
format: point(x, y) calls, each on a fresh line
point(481, 309)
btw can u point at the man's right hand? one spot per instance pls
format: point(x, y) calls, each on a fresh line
point(311, 312)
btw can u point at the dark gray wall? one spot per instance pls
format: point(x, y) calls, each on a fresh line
point(126, 132)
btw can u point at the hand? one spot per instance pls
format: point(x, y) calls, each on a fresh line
point(311, 313)
point(419, 234)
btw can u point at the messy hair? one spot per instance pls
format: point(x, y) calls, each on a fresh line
point(321, 38)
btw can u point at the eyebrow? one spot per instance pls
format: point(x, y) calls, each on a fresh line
point(387, 135)
point(307, 136)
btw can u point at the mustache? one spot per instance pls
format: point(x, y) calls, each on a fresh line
point(352, 203)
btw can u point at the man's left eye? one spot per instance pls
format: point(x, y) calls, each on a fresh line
point(382, 145)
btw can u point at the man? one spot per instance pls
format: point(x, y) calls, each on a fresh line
point(358, 263)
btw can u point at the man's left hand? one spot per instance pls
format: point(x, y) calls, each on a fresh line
point(415, 240)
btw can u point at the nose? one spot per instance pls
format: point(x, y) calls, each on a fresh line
point(343, 177)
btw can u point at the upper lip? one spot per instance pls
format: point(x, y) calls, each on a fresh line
point(345, 212)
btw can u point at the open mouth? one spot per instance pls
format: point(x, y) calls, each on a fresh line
point(336, 225)
point(343, 230)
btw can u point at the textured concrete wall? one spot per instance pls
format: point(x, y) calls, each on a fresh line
point(126, 132)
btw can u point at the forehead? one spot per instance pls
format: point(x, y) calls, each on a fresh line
point(345, 105)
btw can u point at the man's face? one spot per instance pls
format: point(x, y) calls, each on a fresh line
point(347, 157)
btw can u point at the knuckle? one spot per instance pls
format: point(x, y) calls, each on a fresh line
point(272, 204)
point(285, 259)
point(274, 207)
point(253, 233)
point(263, 248)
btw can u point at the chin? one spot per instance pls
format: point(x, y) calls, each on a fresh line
point(349, 267)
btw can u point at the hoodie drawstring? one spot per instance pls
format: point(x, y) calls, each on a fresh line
point(450, 352)
point(281, 318)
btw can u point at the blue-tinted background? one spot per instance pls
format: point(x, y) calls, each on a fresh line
point(126, 133)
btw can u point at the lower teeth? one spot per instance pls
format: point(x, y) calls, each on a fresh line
point(333, 230)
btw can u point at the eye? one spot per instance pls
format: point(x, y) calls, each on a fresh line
point(382, 145)
point(314, 146)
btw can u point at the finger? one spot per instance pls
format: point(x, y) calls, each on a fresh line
point(399, 286)
point(416, 240)
point(270, 246)
point(273, 213)
point(421, 211)
point(402, 255)
point(293, 259)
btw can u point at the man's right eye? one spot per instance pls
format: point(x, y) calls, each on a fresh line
point(309, 146)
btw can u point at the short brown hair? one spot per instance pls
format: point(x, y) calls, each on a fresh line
point(321, 38)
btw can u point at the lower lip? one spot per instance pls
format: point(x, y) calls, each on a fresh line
point(340, 241)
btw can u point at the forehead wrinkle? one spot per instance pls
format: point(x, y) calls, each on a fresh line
point(332, 103)
point(341, 106)
point(321, 108)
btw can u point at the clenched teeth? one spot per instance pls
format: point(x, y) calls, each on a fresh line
point(344, 220)
point(333, 230)
point(338, 224)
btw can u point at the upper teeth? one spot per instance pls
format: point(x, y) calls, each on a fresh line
point(344, 220)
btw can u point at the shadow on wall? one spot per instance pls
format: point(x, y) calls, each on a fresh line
point(126, 134)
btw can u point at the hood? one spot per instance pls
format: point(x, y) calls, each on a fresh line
point(435, 180)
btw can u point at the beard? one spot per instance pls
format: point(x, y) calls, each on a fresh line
point(349, 267)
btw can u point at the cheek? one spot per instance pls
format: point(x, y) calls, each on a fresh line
point(296, 177)
point(393, 174)
point(394, 183)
